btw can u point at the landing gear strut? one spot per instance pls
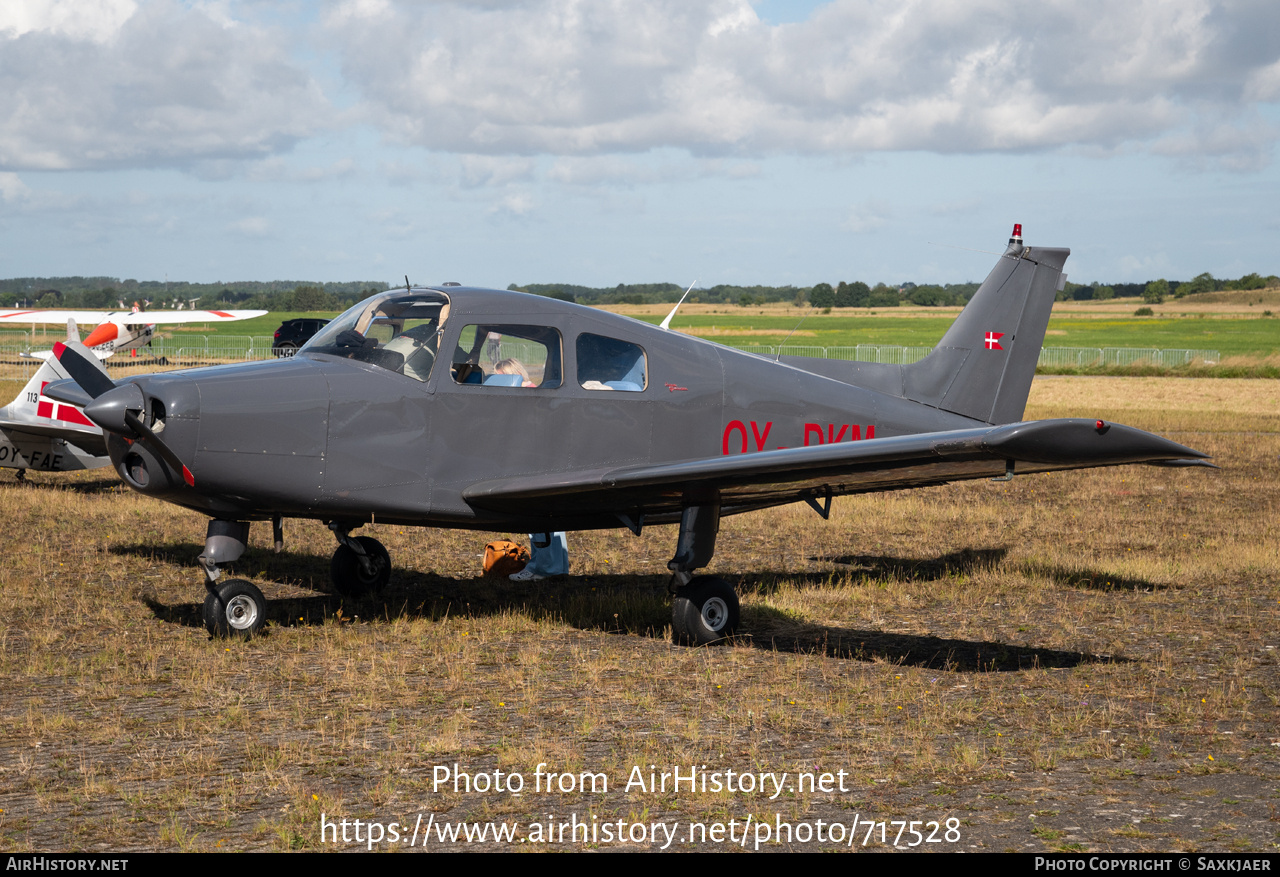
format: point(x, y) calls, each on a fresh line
point(704, 610)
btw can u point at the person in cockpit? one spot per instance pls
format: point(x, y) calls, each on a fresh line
point(417, 345)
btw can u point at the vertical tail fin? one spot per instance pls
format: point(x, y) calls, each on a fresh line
point(982, 368)
point(32, 407)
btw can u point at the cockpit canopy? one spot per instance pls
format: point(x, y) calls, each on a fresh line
point(398, 330)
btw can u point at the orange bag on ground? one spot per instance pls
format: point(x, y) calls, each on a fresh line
point(504, 558)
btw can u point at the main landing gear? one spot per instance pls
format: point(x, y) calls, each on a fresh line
point(236, 608)
point(360, 566)
point(704, 609)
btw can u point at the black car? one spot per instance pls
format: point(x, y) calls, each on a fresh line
point(292, 334)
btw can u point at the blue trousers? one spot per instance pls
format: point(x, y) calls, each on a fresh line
point(548, 558)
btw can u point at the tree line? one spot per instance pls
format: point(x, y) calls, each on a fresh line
point(106, 293)
point(1156, 291)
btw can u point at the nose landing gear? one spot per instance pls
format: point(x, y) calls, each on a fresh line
point(235, 607)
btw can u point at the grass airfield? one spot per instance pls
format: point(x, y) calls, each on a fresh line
point(1077, 661)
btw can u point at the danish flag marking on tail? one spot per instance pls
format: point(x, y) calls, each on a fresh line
point(992, 341)
point(58, 411)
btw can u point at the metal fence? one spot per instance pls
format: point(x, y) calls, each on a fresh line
point(1050, 357)
point(14, 366)
point(166, 354)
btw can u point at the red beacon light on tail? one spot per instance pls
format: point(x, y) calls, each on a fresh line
point(1016, 238)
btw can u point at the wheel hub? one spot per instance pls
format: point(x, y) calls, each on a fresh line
point(715, 614)
point(242, 612)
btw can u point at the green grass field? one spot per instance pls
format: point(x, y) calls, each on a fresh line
point(1232, 336)
point(1233, 329)
point(1229, 332)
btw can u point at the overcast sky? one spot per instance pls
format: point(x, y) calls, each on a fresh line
point(625, 141)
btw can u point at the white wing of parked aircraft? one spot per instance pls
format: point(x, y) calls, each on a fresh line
point(120, 330)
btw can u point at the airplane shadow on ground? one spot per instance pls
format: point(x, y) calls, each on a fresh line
point(907, 650)
point(922, 569)
point(970, 560)
point(620, 604)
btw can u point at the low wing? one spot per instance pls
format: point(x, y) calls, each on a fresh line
point(750, 481)
point(123, 318)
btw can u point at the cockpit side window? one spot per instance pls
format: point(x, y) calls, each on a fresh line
point(610, 364)
point(505, 355)
point(399, 331)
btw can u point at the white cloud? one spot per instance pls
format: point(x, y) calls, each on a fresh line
point(12, 188)
point(514, 204)
point(564, 77)
point(254, 226)
point(486, 170)
point(868, 216)
point(161, 84)
point(93, 20)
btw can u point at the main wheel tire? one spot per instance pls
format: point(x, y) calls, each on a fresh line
point(704, 612)
point(237, 608)
point(349, 579)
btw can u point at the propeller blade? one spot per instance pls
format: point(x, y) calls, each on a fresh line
point(74, 357)
point(170, 458)
point(117, 411)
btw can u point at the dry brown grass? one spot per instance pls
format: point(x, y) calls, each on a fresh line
point(1075, 647)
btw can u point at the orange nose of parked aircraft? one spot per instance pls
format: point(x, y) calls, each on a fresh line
point(104, 333)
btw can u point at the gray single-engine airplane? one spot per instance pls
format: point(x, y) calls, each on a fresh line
point(491, 410)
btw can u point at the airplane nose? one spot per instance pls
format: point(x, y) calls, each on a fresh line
point(135, 416)
point(108, 410)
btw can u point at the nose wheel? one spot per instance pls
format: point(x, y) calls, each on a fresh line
point(235, 608)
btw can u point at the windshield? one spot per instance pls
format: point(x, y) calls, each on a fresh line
point(399, 331)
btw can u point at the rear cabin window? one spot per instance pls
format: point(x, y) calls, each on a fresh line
point(503, 355)
point(610, 364)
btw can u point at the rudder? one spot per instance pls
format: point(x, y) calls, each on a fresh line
point(983, 366)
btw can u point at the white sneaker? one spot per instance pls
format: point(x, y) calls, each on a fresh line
point(526, 575)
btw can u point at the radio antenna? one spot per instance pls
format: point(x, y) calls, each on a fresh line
point(666, 324)
point(777, 356)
